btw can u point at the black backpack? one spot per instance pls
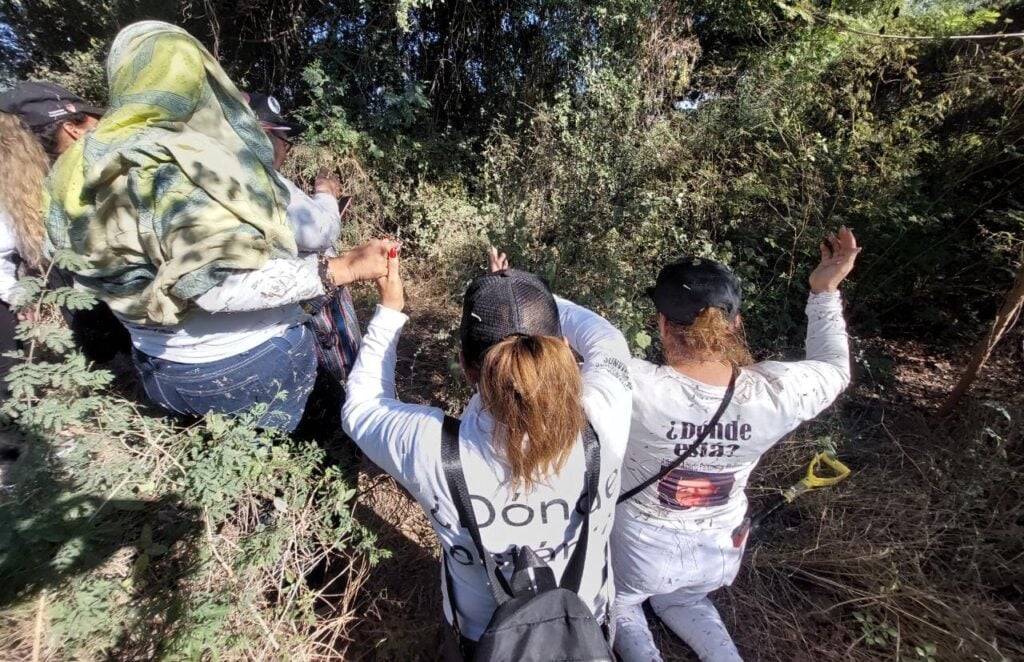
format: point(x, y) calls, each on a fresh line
point(537, 619)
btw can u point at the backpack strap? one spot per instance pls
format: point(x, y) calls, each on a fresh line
point(693, 447)
point(573, 575)
point(449, 584)
point(452, 463)
point(531, 575)
point(450, 427)
point(451, 460)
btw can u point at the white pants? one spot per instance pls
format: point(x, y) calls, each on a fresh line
point(676, 569)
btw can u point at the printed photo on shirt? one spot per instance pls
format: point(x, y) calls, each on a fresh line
point(682, 489)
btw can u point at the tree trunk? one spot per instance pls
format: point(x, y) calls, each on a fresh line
point(1004, 320)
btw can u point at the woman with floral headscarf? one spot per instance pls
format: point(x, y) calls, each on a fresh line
point(174, 203)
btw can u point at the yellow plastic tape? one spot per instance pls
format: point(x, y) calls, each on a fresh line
point(812, 480)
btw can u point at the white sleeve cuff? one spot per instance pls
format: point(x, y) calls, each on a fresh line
point(388, 318)
point(824, 298)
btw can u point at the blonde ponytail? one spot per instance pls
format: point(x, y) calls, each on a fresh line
point(532, 388)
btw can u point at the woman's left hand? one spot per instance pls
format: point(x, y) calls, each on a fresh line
point(327, 182)
point(390, 287)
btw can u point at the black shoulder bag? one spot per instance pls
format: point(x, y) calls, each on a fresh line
point(693, 447)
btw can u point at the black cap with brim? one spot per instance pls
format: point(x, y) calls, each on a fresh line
point(39, 103)
point(689, 285)
point(502, 304)
point(268, 111)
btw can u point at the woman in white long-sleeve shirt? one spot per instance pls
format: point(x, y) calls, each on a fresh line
point(8, 281)
point(682, 537)
point(315, 219)
point(523, 462)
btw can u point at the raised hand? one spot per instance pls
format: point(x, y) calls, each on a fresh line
point(327, 182)
point(496, 261)
point(390, 288)
point(837, 258)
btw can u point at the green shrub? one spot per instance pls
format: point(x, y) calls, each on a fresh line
point(131, 536)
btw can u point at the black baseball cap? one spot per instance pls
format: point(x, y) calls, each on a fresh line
point(502, 304)
point(268, 111)
point(691, 284)
point(39, 103)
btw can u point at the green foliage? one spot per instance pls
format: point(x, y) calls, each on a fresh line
point(149, 540)
point(53, 387)
point(878, 634)
point(882, 635)
point(593, 142)
point(82, 72)
point(824, 127)
point(558, 126)
point(326, 116)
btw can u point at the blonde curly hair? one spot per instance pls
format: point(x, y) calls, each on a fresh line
point(711, 337)
point(24, 164)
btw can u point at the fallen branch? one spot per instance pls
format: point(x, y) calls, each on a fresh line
point(1005, 319)
point(37, 635)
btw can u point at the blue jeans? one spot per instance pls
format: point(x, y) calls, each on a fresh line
point(279, 373)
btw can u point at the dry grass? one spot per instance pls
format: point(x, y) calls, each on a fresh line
point(919, 549)
point(920, 555)
point(402, 595)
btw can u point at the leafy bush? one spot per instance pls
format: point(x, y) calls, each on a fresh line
point(897, 139)
point(131, 536)
point(594, 142)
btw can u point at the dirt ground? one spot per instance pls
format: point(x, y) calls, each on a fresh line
point(919, 556)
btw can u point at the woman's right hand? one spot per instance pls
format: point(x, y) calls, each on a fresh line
point(327, 182)
point(837, 258)
point(368, 261)
point(390, 288)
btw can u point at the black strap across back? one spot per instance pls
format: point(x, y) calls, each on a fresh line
point(693, 447)
point(500, 589)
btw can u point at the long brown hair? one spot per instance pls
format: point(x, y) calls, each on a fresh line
point(711, 337)
point(24, 165)
point(532, 387)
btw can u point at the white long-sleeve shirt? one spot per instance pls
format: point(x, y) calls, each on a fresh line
point(315, 220)
point(771, 399)
point(8, 258)
point(250, 307)
point(405, 440)
point(247, 309)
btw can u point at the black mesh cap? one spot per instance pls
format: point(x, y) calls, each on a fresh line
point(268, 111)
point(39, 103)
point(502, 304)
point(691, 284)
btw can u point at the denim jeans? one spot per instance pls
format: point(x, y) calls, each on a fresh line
point(279, 373)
